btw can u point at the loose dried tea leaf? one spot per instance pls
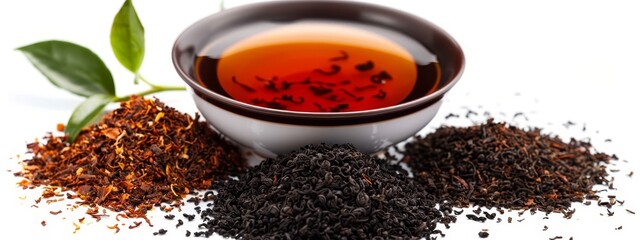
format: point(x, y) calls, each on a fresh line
point(161, 231)
point(138, 156)
point(496, 165)
point(323, 192)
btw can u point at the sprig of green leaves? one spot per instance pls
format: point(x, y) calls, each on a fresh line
point(80, 71)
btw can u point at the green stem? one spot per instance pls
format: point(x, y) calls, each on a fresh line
point(153, 89)
point(222, 7)
point(144, 80)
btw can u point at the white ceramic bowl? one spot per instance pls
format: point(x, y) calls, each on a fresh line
point(270, 131)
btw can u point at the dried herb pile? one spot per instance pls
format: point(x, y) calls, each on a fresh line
point(497, 165)
point(323, 192)
point(138, 156)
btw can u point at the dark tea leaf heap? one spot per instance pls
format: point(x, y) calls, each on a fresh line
point(323, 192)
point(497, 165)
point(138, 156)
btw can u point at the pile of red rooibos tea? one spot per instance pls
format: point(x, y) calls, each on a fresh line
point(138, 156)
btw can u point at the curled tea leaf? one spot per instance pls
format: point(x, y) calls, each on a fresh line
point(127, 37)
point(71, 67)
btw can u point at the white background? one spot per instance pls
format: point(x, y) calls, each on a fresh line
point(555, 61)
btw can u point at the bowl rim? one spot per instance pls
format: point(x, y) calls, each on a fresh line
point(315, 118)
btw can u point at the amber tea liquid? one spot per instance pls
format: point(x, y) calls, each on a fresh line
point(317, 66)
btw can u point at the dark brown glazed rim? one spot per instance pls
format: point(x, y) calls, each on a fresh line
point(196, 37)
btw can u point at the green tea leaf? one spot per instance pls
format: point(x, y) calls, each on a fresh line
point(127, 37)
point(71, 67)
point(85, 113)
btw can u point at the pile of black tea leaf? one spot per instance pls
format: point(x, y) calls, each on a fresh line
point(323, 192)
point(497, 165)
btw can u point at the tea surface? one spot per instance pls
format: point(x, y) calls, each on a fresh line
point(318, 66)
